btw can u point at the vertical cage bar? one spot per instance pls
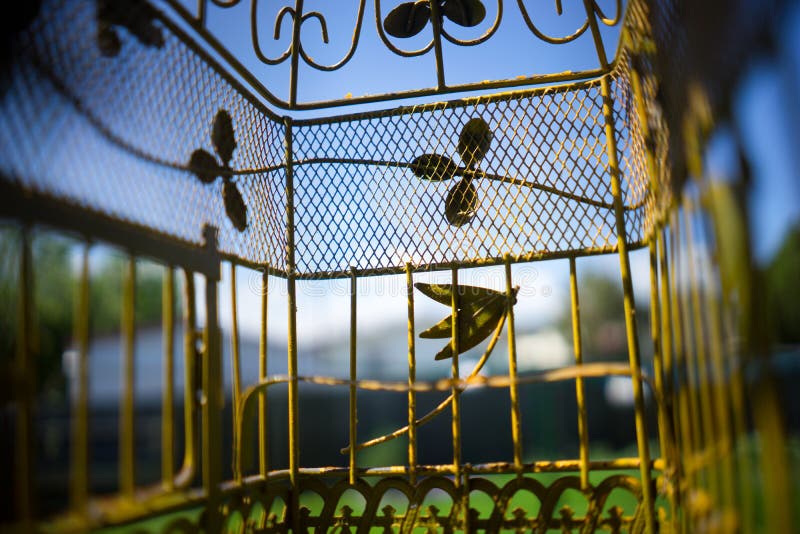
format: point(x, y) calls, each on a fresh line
point(580, 393)
point(513, 389)
point(294, 72)
point(596, 36)
point(696, 414)
point(212, 407)
point(353, 373)
point(629, 304)
point(655, 334)
point(168, 398)
point(456, 405)
point(461, 500)
point(294, 443)
point(80, 397)
point(744, 489)
point(644, 125)
point(236, 375)
point(263, 442)
point(720, 380)
point(683, 416)
point(709, 425)
point(23, 460)
point(412, 378)
point(187, 473)
point(664, 435)
point(666, 325)
point(436, 24)
point(201, 13)
point(673, 465)
point(127, 477)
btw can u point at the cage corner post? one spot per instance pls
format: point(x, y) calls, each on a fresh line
point(291, 275)
point(212, 389)
point(24, 433)
point(629, 304)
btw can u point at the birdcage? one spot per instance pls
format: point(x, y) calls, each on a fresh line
point(134, 125)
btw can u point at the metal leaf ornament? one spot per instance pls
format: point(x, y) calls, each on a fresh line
point(465, 12)
point(222, 136)
point(409, 18)
point(205, 166)
point(137, 16)
point(480, 310)
point(434, 167)
point(234, 205)
point(461, 202)
point(207, 169)
point(474, 141)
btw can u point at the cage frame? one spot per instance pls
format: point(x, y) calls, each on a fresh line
point(700, 448)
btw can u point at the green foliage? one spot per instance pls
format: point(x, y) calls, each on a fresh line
point(783, 289)
point(55, 281)
point(602, 314)
point(105, 299)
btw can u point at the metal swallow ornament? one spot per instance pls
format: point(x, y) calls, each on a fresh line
point(480, 310)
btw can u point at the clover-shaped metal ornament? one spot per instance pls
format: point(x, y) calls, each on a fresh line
point(408, 19)
point(137, 16)
point(207, 169)
point(461, 202)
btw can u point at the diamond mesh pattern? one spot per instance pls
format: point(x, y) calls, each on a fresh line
point(358, 204)
point(115, 134)
point(638, 25)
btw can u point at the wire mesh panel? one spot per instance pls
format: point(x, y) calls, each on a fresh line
point(542, 187)
point(128, 132)
point(112, 128)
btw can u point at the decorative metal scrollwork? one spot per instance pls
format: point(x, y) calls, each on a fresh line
point(298, 19)
point(404, 19)
point(593, 9)
point(408, 19)
point(337, 515)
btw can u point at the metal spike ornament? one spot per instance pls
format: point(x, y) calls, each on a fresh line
point(207, 169)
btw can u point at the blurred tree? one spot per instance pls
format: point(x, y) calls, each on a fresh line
point(783, 289)
point(602, 315)
point(54, 290)
point(105, 298)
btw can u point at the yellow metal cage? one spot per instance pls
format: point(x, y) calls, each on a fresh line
point(109, 112)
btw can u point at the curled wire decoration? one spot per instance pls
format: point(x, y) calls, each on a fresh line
point(292, 13)
point(225, 3)
point(603, 18)
point(254, 35)
point(353, 45)
point(391, 46)
point(483, 38)
point(547, 38)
